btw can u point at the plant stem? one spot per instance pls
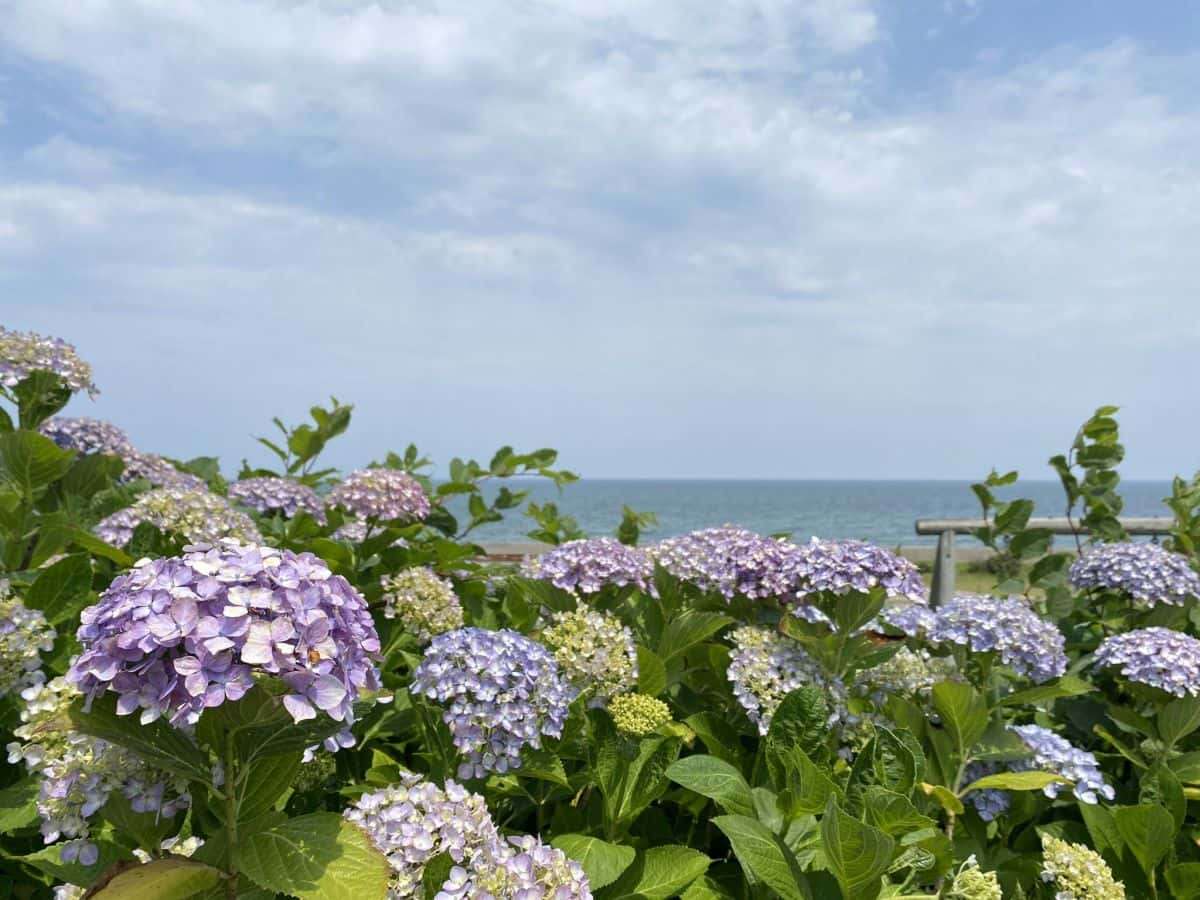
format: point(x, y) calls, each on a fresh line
point(231, 835)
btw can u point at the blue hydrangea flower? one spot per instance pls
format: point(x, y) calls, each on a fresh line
point(1030, 645)
point(590, 564)
point(989, 803)
point(839, 567)
point(268, 495)
point(1052, 753)
point(1146, 572)
point(87, 435)
point(382, 494)
point(522, 868)
point(174, 636)
point(159, 471)
point(24, 352)
point(1157, 657)
point(730, 561)
point(24, 636)
point(502, 692)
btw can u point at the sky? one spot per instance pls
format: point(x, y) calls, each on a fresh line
point(671, 238)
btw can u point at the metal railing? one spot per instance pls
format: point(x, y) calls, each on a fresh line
point(942, 588)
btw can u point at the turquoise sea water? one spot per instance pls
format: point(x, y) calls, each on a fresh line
point(880, 511)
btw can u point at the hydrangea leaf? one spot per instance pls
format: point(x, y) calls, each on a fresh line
point(858, 854)
point(602, 862)
point(713, 778)
point(162, 879)
point(763, 857)
point(659, 873)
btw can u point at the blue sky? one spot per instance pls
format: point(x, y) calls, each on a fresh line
point(759, 238)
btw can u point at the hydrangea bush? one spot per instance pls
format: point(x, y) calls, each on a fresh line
point(259, 707)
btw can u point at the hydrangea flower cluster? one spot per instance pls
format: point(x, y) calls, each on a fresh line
point(24, 352)
point(1029, 644)
point(594, 651)
point(174, 636)
point(382, 494)
point(87, 435)
point(730, 561)
point(24, 636)
point(1052, 753)
point(638, 715)
point(590, 564)
point(972, 883)
point(424, 603)
point(78, 773)
point(159, 471)
point(414, 820)
point(911, 673)
point(502, 692)
point(525, 869)
point(765, 667)
point(198, 515)
point(839, 567)
point(1157, 657)
point(1146, 572)
point(1078, 872)
point(270, 495)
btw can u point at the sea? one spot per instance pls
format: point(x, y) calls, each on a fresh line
point(878, 511)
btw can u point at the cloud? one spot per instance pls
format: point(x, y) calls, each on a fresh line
point(673, 238)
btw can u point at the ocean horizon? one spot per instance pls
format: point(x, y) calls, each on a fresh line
point(878, 510)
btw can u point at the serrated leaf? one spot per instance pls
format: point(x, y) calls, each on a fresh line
point(320, 856)
point(1067, 686)
point(1178, 719)
point(1148, 831)
point(30, 461)
point(688, 629)
point(713, 778)
point(652, 673)
point(156, 742)
point(1016, 781)
point(659, 873)
point(602, 862)
point(163, 879)
point(964, 713)
point(763, 856)
point(264, 781)
point(18, 806)
point(857, 854)
point(57, 585)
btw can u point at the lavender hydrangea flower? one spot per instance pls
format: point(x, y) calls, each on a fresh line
point(24, 352)
point(594, 651)
point(524, 869)
point(1146, 572)
point(77, 773)
point(731, 561)
point(424, 603)
point(590, 564)
point(414, 820)
point(1024, 641)
point(765, 667)
point(989, 802)
point(24, 636)
point(87, 435)
point(284, 495)
point(159, 471)
point(502, 693)
point(1052, 753)
point(174, 636)
point(1157, 657)
point(382, 494)
point(200, 516)
point(839, 567)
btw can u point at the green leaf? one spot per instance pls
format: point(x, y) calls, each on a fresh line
point(1148, 831)
point(857, 854)
point(1178, 719)
point(944, 796)
point(1015, 781)
point(147, 829)
point(29, 462)
point(659, 873)
point(320, 856)
point(763, 856)
point(40, 395)
point(57, 585)
point(688, 629)
point(652, 673)
point(436, 871)
point(18, 806)
point(543, 765)
point(713, 778)
point(1067, 686)
point(50, 862)
point(964, 713)
point(602, 862)
point(155, 742)
point(893, 813)
point(855, 609)
point(808, 786)
point(92, 473)
point(800, 721)
point(886, 761)
point(174, 878)
point(704, 888)
point(1184, 881)
point(644, 778)
point(263, 782)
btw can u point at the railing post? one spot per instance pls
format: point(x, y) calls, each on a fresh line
point(942, 589)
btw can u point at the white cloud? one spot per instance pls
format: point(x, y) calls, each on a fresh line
point(676, 205)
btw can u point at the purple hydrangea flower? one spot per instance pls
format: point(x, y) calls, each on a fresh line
point(87, 435)
point(159, 471)
point(24, 636)
point(502, 692)
point(1146, 572)
point(197, 515)
point(731, 561)
point(590, 564)
point(1052, 753)
point(382, 494)
point(989, 802)
point(523, 868)
point(174, 636)
point(1157, 657)
point(912, 618)
point(839, 567)
point(24, 352)
point(269, 495)
point(1029, 644)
